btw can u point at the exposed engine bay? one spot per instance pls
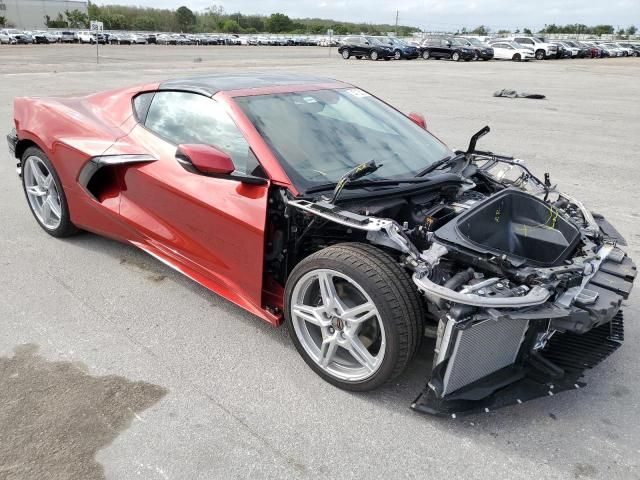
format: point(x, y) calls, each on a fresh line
point(524, 284)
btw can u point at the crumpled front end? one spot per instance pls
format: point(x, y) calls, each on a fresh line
point(524, 283)
point(528, 294)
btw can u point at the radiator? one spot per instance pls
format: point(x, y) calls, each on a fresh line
point(481, 350)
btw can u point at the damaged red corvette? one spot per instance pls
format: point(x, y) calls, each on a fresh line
point(311, 202)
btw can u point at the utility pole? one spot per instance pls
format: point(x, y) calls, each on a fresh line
point(396, 32)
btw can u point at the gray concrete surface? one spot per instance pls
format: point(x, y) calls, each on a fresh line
point(239, 401)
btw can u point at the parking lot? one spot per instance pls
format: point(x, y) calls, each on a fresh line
point(199, 388)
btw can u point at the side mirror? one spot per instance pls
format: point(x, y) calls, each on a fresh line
point(366, 43)
point(205, 159)
point(418, 119)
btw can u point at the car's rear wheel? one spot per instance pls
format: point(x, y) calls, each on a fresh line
point(353, 315)
point(516, 57)
point(426, 55)
point(45, 194)
point(373, 55)
point(346, 53)
point(455, 57)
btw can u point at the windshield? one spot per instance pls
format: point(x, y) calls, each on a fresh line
point(474, 41)
point(455, 41)
point(373, 41)
point(320, 135)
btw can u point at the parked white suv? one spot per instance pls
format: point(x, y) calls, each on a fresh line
point(540, 48)
point(86, 37)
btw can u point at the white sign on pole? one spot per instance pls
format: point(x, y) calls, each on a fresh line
point(97, 26)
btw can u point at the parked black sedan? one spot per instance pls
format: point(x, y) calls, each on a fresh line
point(360, 46)
point(401, 49)
point(452, 48)
point(483, 50)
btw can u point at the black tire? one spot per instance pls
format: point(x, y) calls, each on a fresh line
point(374, 55)
point(397, 55)
point(66, 228)
point(475, 55)
point(346, 53)
point(426, 55)
point(516, 57)
point(540, 54)
point(391, 288)
point(455, 56)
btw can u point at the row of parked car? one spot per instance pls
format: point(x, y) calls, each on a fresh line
point(519, 48)
point(14, 36)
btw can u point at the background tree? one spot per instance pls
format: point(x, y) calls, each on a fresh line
point(76, 19)
point(630, 31)
point(231, 26)
point(527, 31)
point(278, 23)
point(59, 22)
point(481, 30)
point(3, 21)
point(213, 18)
point(186, 19)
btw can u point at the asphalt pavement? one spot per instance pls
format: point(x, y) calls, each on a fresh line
point(114, 366)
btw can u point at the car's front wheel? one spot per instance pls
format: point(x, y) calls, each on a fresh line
point(455, 57)
point(397, 55)
point(346, 54)
point(373, 55)
point(426, 55)
point(45, 194)
point(353, 315)
point(517, 57)
point(540, 54)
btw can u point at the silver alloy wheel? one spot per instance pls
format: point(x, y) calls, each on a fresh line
point(42, 192)
point(338, 325)
point(374, 55)
point(397, 55)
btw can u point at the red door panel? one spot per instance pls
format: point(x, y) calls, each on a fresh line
point(214, 226)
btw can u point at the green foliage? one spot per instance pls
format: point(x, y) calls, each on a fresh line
point(279, 23)
point(215, 19)
point(578, 28)
point(231, 26)
point(76, 19)
point(632, 30)
point(527, 31)
point(3, 21)
point(186, 19)
point(59, 22)
point(481, 30)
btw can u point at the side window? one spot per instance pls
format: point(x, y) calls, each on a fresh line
point(141, 105)
point(181, 117)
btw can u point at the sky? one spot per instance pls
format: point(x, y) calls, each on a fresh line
point(431, 15)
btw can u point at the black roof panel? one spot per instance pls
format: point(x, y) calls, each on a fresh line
point(212, 84)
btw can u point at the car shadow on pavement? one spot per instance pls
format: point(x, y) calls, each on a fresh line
point(55, 416)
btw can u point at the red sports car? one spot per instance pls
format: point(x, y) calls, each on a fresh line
point(254, 186)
